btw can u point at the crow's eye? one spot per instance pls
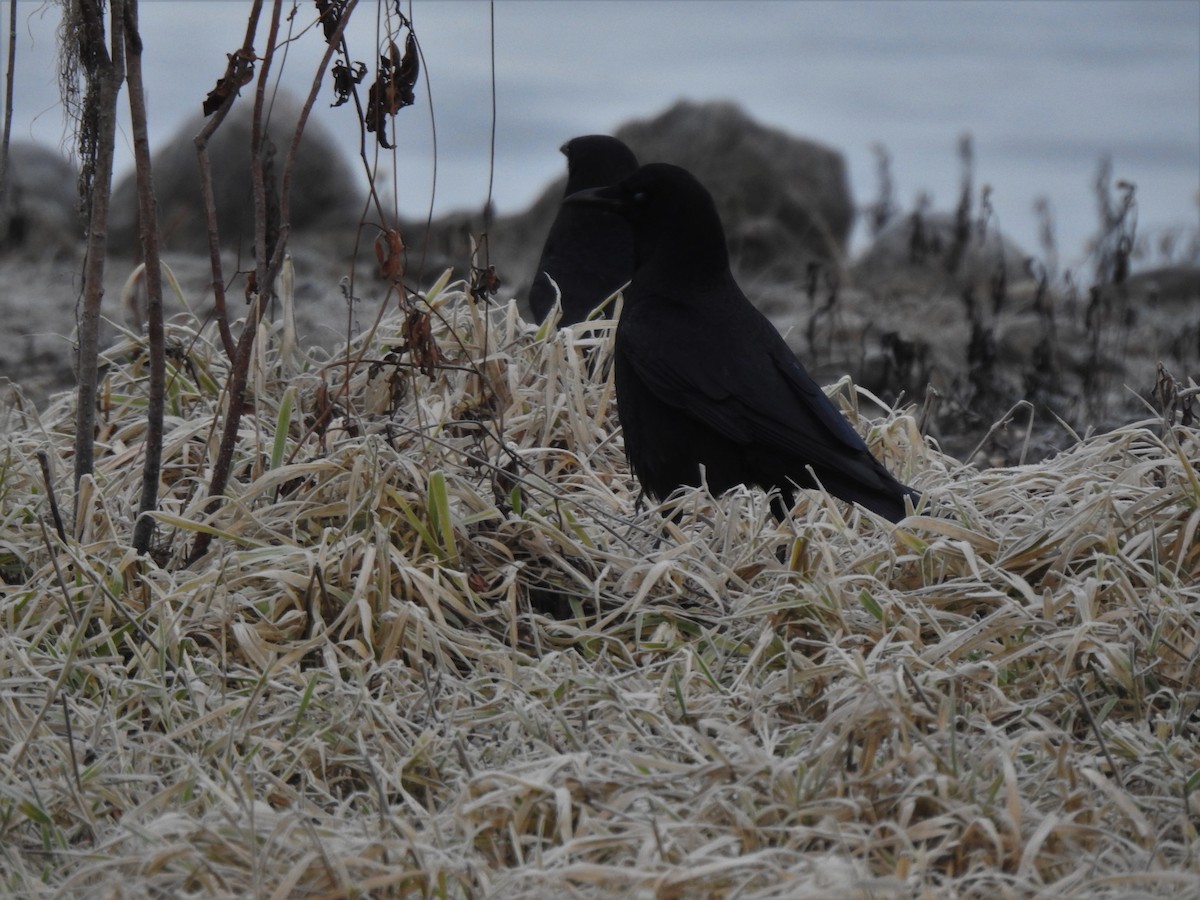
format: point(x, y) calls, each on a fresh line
point(640, 198)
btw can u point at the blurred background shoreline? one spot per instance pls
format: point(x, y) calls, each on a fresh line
point(1046, 90)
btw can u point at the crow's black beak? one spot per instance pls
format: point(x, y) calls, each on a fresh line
point(610, 198)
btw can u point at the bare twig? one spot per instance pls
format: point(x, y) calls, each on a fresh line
point(148, 224)
point(9, 76)
point(97, 136)
point(239, 71)
point(51, 498)
point(235, 388)
point(1095, 726)
point(267, 268)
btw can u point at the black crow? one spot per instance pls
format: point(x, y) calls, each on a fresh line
point(704, 379)
point(589, 251)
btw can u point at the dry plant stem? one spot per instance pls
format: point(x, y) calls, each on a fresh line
point(258, 181)
point(266, 270)
point(58, 574)
point(104, 75)
point(66, 711)
point(148, 223)
point(338, 41)
point(8, 108)
point(1095, 726)
point(206, 189)
point(433, 133)
point(289, 166)
point(335, 42)
point(51, 498)
point(1002, 422)
point(235, 389)
point(210, 211)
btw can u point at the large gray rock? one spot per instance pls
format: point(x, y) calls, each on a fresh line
point(325, 195)
point(785, 202)
point(40, 216)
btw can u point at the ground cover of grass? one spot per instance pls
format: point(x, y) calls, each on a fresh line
point(437, 649)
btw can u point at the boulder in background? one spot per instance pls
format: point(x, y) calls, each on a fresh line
point(40, 215)
point(325, 196)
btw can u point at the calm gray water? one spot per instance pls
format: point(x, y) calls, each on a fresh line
point(1046, 89)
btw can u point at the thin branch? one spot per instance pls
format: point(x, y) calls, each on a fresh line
point(235, 388)
point(148, 223)
point(267, 270)
point(1095, 726)
point(97, 139)
point(44, 462)
point(9, 77)
point(289, 166)
point(487, 207)
point(240, 68)
point(258, 140)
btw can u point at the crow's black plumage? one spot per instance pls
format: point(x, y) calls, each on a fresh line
point(703, 378)
point(589, 250)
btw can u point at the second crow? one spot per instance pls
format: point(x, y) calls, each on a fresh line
point(589, 250)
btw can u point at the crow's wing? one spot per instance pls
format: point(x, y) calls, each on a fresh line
point(715, 356)
point(589, 254)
